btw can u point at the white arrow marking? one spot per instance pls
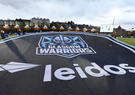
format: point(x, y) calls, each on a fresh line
point(13, 67)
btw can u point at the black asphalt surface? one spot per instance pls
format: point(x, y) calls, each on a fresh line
point(31, 81)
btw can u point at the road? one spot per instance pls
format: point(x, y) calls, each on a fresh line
point(66, 63)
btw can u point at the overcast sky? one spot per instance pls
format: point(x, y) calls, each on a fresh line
point(95, 12)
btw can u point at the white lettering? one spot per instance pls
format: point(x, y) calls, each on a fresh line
point(93, 70)
point(75, 50)
point(59, 50)
point(66, 50)
point(119, 72)
point(81, 50)
point(52, 51)
point(125, 66)
point(44, 50)
point(47, 74)
point(64, 74)
point(80, 71)
point(100, 73)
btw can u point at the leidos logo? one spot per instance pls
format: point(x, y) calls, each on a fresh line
point(94, 70)
point(63, 45)
point(65, 73)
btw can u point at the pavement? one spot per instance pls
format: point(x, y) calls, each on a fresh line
point(66, 63)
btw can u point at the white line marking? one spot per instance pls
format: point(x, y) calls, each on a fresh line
point(121, 44)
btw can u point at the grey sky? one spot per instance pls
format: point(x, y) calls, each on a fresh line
point(95, 12)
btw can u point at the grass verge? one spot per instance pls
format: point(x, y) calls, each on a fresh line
point(130, 41)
